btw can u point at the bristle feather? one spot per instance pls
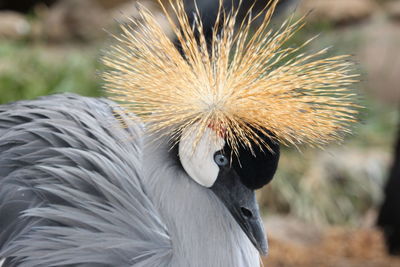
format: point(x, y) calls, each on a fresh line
point(247, 84)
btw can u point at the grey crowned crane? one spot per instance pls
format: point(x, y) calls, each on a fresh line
point(167, 176)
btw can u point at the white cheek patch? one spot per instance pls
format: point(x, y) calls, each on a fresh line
point(200, 164)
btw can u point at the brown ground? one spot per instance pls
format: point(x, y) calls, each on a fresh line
point(337, 247)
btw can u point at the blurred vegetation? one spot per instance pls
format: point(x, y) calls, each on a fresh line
point(28, 71)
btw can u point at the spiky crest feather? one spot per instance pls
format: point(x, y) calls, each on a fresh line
point(242, 83)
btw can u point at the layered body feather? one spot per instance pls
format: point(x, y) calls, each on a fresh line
point(71, 187)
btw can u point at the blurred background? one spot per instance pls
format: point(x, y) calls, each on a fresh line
point(323, 206)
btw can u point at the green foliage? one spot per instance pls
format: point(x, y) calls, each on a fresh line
point(27, 72)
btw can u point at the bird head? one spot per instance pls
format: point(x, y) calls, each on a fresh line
point(212, 154)
point(212, 164)
point(229, 102)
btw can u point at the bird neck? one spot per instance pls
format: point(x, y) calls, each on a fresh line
point(202, 231)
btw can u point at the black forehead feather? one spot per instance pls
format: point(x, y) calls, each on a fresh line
point(258, 168)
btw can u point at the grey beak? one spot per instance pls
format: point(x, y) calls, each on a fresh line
point(241, 203)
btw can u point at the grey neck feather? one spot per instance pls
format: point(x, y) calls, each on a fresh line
point(202, 231)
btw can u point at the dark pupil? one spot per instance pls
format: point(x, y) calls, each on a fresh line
point(220, 159)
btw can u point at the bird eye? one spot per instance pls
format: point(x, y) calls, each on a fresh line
point(221, 160)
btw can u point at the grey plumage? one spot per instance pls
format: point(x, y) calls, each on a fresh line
point(77, 189)
point(70, 188)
